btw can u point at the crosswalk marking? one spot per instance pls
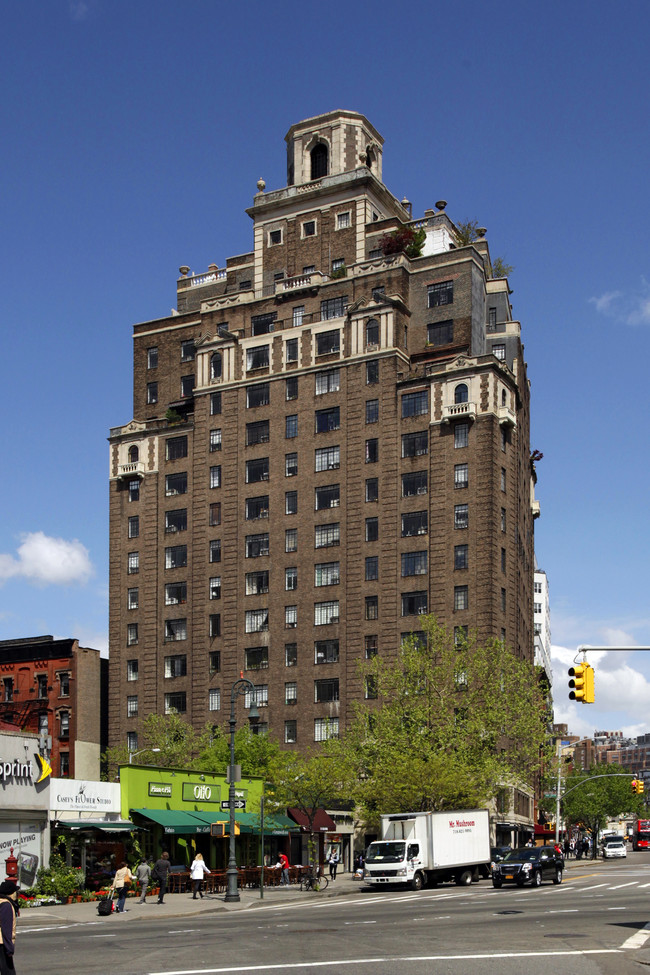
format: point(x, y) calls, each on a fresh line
point(630, 883)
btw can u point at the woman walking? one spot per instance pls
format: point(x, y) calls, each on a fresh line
point(123, 879)
point(198, 871)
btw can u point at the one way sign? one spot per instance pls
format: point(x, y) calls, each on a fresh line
point(239, 804)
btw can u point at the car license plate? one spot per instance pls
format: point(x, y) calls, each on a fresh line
point(509, 876)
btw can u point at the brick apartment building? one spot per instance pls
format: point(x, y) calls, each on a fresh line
point(57, 689)
point(327, 441)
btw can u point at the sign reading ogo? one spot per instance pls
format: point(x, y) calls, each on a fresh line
point(201, 792)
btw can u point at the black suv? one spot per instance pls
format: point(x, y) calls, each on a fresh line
point(529, 865)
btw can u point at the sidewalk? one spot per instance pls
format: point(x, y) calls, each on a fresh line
point(183, 905)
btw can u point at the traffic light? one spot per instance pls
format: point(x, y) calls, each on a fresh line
point(582, 683)
point(637, 786)
point(589, 684)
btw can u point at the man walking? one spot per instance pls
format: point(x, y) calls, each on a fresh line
point(143, 876)
point(161, 870)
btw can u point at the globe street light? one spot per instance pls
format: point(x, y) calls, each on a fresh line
point(240, 686)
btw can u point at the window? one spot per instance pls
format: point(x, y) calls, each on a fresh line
point(261, 696)
point(492, 319)
point(415, 444)
point(328, 342)
point(319, 158)
point(290, 617)
point(64, 685)
point(372, 489)
point(215, 404)
point(257, 357)
point(372, 332)
point(371, 689)
point(215, 440)
point(214, 552)
point(290, 732)
point(461, 557)
point(338, 264)
point(291, 502)
point(132, 598)
point(175, 703)
point(328, 420)
point(134, 489)
point(414, 603)
point(216, 366)
point(290, 465)
point(256, 658)
point(504, 438)
point(214, 587)
point(175, 556)
point(370, 646)
point(257, 545)
point(290, 654)
point(461, 393)
point(297, 316)
point(372, 372)
point(257, 470)
point(414, 563)
point(309, 228)
point(372, 607)
point(215, 476)
point(214, 699)
point(461, 516)
point(291, 692)
point(326, 652)
point(499, 351)
point(325, 613)
point(64, 724)
point(413, 484)
point(256, 620)
point(275, 237)
point(187, 386)
point(132, 706)
point(328, 496)
point(291, 578)
point(372, 529)
point(262, 324)
point(214, 661)
point(214, 625)
point(133, 563)
point(327, 574)
point(134, 454)
point(309, 269)
point(175, 630)
point(326, 690)
point(291, 350)
point(503, 479)
point(291, 388)
point(461, 476)
point(257, 432)
point(42, 685)
point(503, 519)
point(343, 220)
point(328, 458)
point(64, 764)
point(258, 395)
point(132, 670)
point(291, 540)
point(176, 484)
point(503, 601)
point(415, 404)
point(327, 535)
point(441, 333)
point(175, 447)
point(152, 393)
point(461, 434)
point(461, 597)
point(440, 294)
point(175, 593)
point(503, 560)
point(372, 451)
point(372, 411)
point(460, 635)
point(152, 358)
point(8, 689)
point(188, 350)
point(257, 508)
point(325, 728)
point(378, 293)
point(134, 526)
point(333, 308)
point(328, 382)
point(291, 426)
point(372, 568)
point(537, 586)
point(214, 514)
point(257, 583)
point(414, 523)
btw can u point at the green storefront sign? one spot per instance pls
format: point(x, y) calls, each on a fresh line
point(201, 792)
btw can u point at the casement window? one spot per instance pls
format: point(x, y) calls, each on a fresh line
point(257, 545)
point(290, 732)
point(133, 563)
point(134, 526)
point(328, 343)
point(152, 358)
point(297, 316)
point(328, 420)
point(215, 404)
point(291, 350)
point(328, 458)
point(372, 372)
point(414, 563)
point(461, 516)
point(440, 294)
point(372, 568)
point(326, 690)
point(256, 508)
point(214, 625)
point(257, 357)
point(261, 696)
point(461, 476)
point(132, 670)
point(214, 551)
point(328, 382)
point(175, 556)
point(414, 523)
point(176, 666)
point(372, 607)
point(461, 597)
point(291, 540)
point(290, 465)
point(291, 388)
point(175, 593)
point(414, 603)
point(440, 333)
point(152, 393)
point(290, 617)
point(175, 447)
point(258, 395)
point(372, 451)
point(372, 411)
point(372, 529)
point(415, 404)
point(461, 557)
point(415, 483)
point(291, 426)
point(215, 440)
point(327, 574)
point(343, 220)
point(372, 489)
point(326, 652)
point(461, 435)
point(175, 521)
point(333, 308)
point(215, 476)
point(132, 706)
point(291, 655)
point(325, 728)
point(257, 432)
point(291, 502)
point(256, 620)
point(415, 444)
point(370, 644)
point(175, 630)
point(176, 703)
point(537, 587)
point(214, 699)
point(214, 587)
point(263, 324)
point(132, 598)
point(256, 658)
point(187, 386)
point(326, 613)
point(327, 496)
point(131, 634)
point(188, 350)
point(291, 578)
point(214, 661)
point(134, 489)
point(327, 535)
point(176, 484)
point(257, 583)
point(214, 514)
point(257, 470)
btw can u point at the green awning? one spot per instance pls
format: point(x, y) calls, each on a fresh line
point(105, 825)
point(274, 825)
point(175, 821)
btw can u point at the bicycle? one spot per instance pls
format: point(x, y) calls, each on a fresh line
point(311, 882)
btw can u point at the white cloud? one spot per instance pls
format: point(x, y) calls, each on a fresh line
point(605, 302)
point(632, 308)
point(79, 10)
point(43, 560)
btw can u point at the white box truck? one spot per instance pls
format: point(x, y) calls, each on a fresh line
point(430, 847)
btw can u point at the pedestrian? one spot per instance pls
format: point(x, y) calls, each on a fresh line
point(121, 883)
point(334, 862)
point(567, 848)
point(8, 913)
point(198, 871)
point(143, 876)
point(284, 880)
point(161, 874)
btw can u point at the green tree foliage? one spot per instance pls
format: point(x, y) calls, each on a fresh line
point(255, 753)
point(176, 739)
point(500, 268)
point(467, 233)
point(451, 724)
point(592, 801)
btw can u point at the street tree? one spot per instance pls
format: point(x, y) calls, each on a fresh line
point(594, 796)
point(175, 739)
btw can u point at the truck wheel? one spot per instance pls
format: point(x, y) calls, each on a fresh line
point(464, 879)
point(416, 883)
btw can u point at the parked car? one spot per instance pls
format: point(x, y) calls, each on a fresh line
point(529, 864)
point(614, 848)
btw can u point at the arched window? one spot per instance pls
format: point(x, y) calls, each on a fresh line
point(215, 365)
point(134, 455)
point(372, 332)
point(461, 393)
point(319, 161)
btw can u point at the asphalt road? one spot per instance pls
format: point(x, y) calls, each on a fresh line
point(596, 923)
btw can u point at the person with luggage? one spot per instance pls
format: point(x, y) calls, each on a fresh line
point(121, 883)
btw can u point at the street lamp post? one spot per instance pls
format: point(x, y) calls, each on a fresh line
point(140, 751)
point(239, 687)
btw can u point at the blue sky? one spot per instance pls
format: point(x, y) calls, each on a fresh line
point(133, 135)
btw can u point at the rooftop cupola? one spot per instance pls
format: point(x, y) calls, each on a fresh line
point(326, 145)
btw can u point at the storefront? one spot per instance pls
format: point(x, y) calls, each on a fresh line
point(318, 832)
point(24, 805)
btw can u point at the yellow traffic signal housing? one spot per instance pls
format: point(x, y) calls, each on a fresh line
point(589, 685)
point(633, 785)
point(223, 829)
point(640, 787)
point(577, 682)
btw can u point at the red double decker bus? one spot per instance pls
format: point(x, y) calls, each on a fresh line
point(641, 835)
